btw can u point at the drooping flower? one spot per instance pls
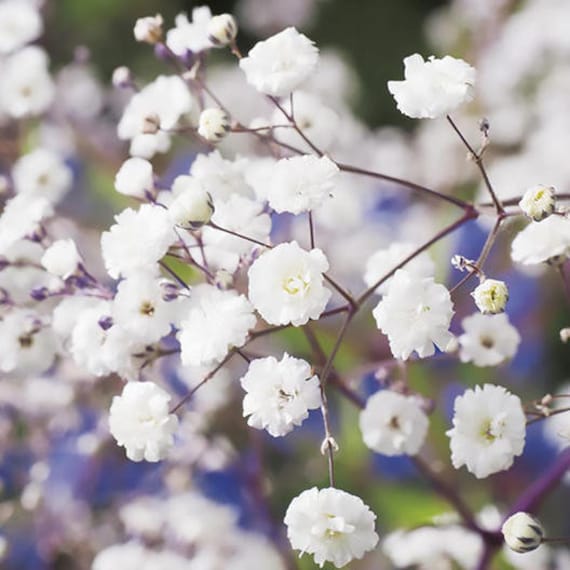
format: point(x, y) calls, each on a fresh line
point(280, 64)
point(393, 424)
point(433, 88)
point(415, 315)
point(279, 394)
point(489, 430)
point(332, 525)
point(286, 284)
point(140, 421)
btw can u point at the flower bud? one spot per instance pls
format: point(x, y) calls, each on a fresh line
point(214, 124)
point(122, 77)
point(193, 206)
point(149, 29)
point(538, 202)
point(522, 532)
point(222, 30)
point(491, 296)
point(565, 334)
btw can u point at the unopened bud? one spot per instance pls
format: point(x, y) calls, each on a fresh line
point(565, 334)
point(105, 323)
point(538, 202)
point(122, 77)
point(193, 206)
point(149, 29)
point(329, 443)
point(214, 124)
point(522, 532)
point(222, 30)
point(491, 296)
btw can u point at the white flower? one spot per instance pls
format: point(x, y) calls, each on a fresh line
point(42, 173)
point(522, 532)
point(190, 36)
point(385, 260)
point(20, 23)
point(140, 309)
point(28, 344)
point(21, 217)
point(332, 525)
point(301, 183)
point(432, 88)
point(279, 393)
point(491, 296)
point(415, 315)
point(214, 124)
point(538, 202)
point(137, 241)
point(489, 429)
point(215, 322)
point(393, 424)
point(135, 178)
point(220, 177)
point(61, 258)
point(148, 29)
point(286, 284)
point(238, 214)
point(542, 241)
point(128, 556)
point(192, 206)
point(488, 340)
point(26, 88)
point(140, 422)
point(281, 63)
point(222, 29)
point(164, 102)
point(319, 123)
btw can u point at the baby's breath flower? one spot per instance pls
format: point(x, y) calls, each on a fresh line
point(522, 532)
point(491, 296)
point(538, 202)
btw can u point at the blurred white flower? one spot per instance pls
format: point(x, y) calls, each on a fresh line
point(191, 206)
point(542, 241)
point(415, 315)
point(135, 178)
point(279, 394)
point(489, 430)
point(148, 29)
point(280, 64)
point(190, 36)
point(332, 525)
point(222, 29)
point(432, 88)
point(140, 421)
point(286, 284)
point(393, 424)
point(488, 340)
point(20, 23)
point(61, 258)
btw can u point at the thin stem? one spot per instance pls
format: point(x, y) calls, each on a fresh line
point(469, 215)
point(545, 417)
point(174, 275)
point(407, 184)
point(311, 230)
point(478, 159)
point(342, 291)
point(238, 235)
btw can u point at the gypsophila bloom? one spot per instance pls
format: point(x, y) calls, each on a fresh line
point(214, 322)
point(332, 525)
point(281, 63)
point(122, 77)
point(193, 206)
point(279, 394)
point(522, 532)
point(190, 36)
point(301, 183)
point(385, 260)
point(286, 284)
point(27, 88)
point(489, 430)
point(433, 88)
point(61, 258)
point(42, 173)
point(149, 29)
point(491, 296)
point(214, 124)
point(542, 241)
point(393, 424)
point(538, 202)
point(488, 340)
point(140, 421)
point(20, 23)
point(415, 315)
point(137, 241)
point(135, 178)
point(222, 29)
